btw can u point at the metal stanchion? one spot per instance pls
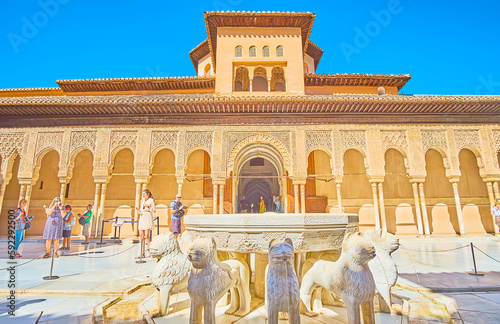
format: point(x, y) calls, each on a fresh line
point(157, 225)
point(51, 277)
point(142, 253)
point(474, 273)
point(102, 231)
point(115, 237)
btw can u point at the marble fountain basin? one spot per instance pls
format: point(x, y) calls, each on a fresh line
point(251, 233)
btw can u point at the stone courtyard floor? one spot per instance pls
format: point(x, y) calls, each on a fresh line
point(92, 274)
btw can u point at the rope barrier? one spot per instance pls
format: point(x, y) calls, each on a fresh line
point(432, 251)
point(105, 256)
point(486, 254)
point(19, 265)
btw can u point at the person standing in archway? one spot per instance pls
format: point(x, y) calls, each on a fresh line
point(177, 211)
point(146, 220)
point(262, 205)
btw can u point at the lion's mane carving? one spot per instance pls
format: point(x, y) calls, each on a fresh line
point(383, 267)
point(282, 286)
point(171, 271)
point(210, 280)
point(349, 278)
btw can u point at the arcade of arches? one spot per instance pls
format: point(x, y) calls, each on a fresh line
point(406, 179)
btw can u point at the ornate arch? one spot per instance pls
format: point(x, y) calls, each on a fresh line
point(260, 139)
point(72, 159)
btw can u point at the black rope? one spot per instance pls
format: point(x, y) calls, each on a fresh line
point(485, 253)
point(458, 248)
point(105, 256)
point(18, 265)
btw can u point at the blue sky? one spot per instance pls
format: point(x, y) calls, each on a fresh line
point(449, 47)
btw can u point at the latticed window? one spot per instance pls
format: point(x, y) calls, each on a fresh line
point(266, 51)
point(278, 79)
point(260, 79)
point(238, 51)
point(253, 51)
point(241, 79)
point(279, 51)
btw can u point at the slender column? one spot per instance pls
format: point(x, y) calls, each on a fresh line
point(22, 192)
point(302, 199)
point(221, 199)
point(215, 192)
point(375, 205)
point(382, 206)
point(296, 196)
point(491, 195)
point(2, 194)
point(28, 196)
point(138, 190)
point(496, 190)
point(459, 208)
point(95, 208)
point(63, 190)
point(427, 230)
point(417, 208)
point(180, 182)
point(339, 197)
point(100, 215)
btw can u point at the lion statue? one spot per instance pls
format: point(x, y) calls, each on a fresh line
point(210, 280)
point(383, 267)
point(171, 271)
point(282, 285)
point(349, 278)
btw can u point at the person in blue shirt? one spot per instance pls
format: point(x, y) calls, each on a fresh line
point(177, 210)
point(68, 223)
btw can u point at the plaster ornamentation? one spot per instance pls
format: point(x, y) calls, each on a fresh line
point(167, 139)
point(51, 140)
point(282, 285)
point(324, 235)
point(83, 140)
point(395, 139)
point(496, 140)
point(210, 279)
point(337, 243)
point(246, 244)
point(383, 267)
point(349, 278)
point(434, 138)
point(300, 243)
point(171, 271)
point(222, 238)
point(269, 236)
point(352, 139)
point(466, 138)
point(11, 142)
point(123, 138)
point(319, 140)
point(258, 138)
point(199, 140)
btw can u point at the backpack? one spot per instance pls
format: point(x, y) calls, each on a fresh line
point(81, 221)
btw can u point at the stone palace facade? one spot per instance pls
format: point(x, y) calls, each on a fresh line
point(255, 121)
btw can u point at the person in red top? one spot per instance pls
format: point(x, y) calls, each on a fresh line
point(20, 219)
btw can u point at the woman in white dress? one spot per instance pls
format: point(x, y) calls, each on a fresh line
point(146, 219)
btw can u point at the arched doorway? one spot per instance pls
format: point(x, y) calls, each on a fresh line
point(258, 177)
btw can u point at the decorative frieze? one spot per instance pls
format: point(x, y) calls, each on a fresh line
point(396, 139)
point(166, 139)
point(83, 140)
point(319, 139)
point(123, 139)
point(496, 140)
point(246, 244)
point(434, 138)
point(466, 138)
point(199, 140)
point(52, 140)
point(353, 139)
point(10, 143)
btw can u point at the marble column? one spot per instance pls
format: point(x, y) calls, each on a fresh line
point(95, 209)
point(180, 182)
point(62, 192)
point(491, 196)
point(221, 199)
point(138, 195)
point(375, 205)
point(296, 197)
point(100, 215)
point(458, 205)
point(215, 193)
point(303, 198)
point(425, 218)
point(417, 208)
point(22, 192)
point(29, 188)
point(382, 206)
point(339, 197)
point(496, 190)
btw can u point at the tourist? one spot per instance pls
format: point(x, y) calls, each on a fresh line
point(145, 220)
point(177, 210)
point(53, 226)
point(68, 223)
point(495, 211)
point(20, 220)
point(262, 208)
point(278, 204)
point(243, 205)
point(86, 226)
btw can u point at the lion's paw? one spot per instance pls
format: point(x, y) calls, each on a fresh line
point(230, 311)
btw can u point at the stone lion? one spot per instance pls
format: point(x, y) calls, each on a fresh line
point(171, 271)
point(282, 286)
point(383, 267)
point(349, 278)
point(210, 280)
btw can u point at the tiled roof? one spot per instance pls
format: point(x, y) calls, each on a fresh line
point(215, 19)
point(315, 52)
point(357, 79)
point(198, 53)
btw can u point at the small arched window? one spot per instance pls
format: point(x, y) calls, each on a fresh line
point(306, 68)
point(278, 79)
point(238, 51)
point(266, 51)
point(207, 69)
point(253, 51)
point(260, 79)
point(279, 51)
point(241, 79)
